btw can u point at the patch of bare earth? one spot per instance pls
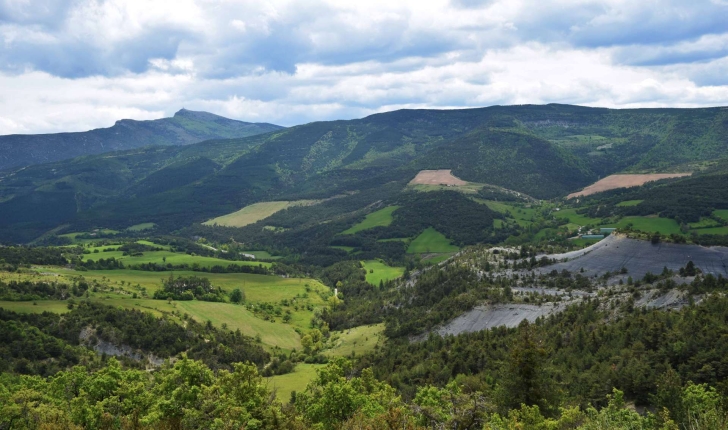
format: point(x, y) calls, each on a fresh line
point(623, 181)
point(436, 177)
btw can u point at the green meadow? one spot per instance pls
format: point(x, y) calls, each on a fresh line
point(141, 227)
point(431, 241)
point(379, 272)
point(169, 257)
point(381, 218)
point(628, 203)
point(294, 381)
point(651, 224)
point(358, 340)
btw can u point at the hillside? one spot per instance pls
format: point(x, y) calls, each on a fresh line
point(184, 128)
point(541, 151)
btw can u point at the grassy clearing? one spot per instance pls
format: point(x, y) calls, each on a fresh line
point(431, 241)
point(169, 257)
point(294, 381)
point(141, 227)
point(721, 213)
point(575, 218)
point(255, 212)
point(705, 223)
point(651, 224)
point(257, 288)
point(628, 203)
point(381, 218)
point(237, 317)
point(522, 215)
point(379, 272)
point(263, 255)
point(715, 230)
point(358, 340)
point(583, 243)
point(396, 239)
point(343, 248)
point(469, 188)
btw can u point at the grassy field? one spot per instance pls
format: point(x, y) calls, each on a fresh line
point(583, 243)
point(651, 224)
point(257, 288)
point(705, 223)
point(358, 340)
point(294, 381)
point(380, 218)
point(573, 217)
point(721, 213)
point(262, 255)
point(431, 241)
point(628, 203)
point(169, 257)
point(141, 227)
point(343, 248)
point(255, 212)
point(237, 317)
point(378, 271)
point(469, 188)
point(524, 216)
point(714, 230)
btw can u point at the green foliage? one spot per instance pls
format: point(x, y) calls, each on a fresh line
point(188, 288)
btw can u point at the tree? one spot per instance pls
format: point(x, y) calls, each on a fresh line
point(237, 296)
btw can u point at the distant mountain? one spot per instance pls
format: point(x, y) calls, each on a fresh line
point(184, 128)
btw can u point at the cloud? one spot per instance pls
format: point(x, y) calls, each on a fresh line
point(80, 64)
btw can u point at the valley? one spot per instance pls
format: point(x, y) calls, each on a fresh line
point(409, 252)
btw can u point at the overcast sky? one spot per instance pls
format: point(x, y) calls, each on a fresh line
point(71, 65)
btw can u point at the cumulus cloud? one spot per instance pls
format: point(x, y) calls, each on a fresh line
point(80, 64)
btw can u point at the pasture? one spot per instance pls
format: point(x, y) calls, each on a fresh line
point(255, 212)
point(358, 340)
point(141, 227)
point(628, 203)
point(651, 224)
point(721, 213)
point(431, 241)
point(169, 257)
point(381, 218)
point(294, 381)
point(378, 272)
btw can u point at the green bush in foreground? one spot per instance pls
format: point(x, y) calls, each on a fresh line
point(189, 395)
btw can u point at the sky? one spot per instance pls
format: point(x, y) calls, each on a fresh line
point(74, 65)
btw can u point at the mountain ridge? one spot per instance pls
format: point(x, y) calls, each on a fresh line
point(185, 127)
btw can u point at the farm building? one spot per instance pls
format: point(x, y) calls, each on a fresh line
point(607, 230)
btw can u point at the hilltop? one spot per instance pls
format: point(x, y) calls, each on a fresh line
point(184, 128)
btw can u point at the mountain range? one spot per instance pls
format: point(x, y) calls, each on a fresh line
point(543, 151)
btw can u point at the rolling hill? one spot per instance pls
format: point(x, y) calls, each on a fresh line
point(183, 128)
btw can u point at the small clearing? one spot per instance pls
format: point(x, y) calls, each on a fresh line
point(431, 241)
point(623, 181)
point(377, 272)
point(255, 212)
point(381, 218)
point(436, 177)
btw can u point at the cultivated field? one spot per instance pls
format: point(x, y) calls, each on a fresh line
point(380, 218)
point(378, 271)
point(436, 177)
point(255, 212)
point(623, 181)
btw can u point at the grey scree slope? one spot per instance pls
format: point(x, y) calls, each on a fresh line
point(639, 257)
